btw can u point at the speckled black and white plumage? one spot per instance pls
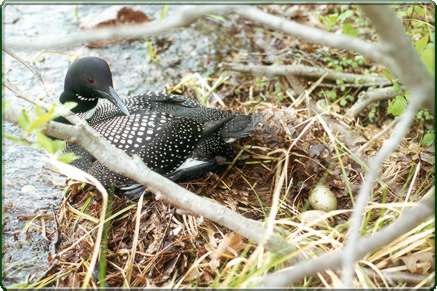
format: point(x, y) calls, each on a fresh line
point(174, 135)
point(151, 136)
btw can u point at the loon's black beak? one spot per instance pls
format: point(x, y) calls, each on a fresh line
point(112, 96)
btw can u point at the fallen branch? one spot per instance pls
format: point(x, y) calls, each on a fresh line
point(311, 34)
point(183, 17)
point(134, 168)
point(413, 75)
point(365, 98)
point(408, 220)
point(309, 72)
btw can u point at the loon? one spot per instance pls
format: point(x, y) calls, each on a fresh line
point(174, 135)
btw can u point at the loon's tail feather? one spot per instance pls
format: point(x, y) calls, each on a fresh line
point(240, 126)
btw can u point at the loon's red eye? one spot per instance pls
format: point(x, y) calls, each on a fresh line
point(91, 80)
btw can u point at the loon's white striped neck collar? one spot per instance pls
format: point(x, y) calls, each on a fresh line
point(89, 113)
point(84, 98)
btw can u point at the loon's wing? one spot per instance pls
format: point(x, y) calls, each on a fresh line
point(161, 140)
point(160, 97)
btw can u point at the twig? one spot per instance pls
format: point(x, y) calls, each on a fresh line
point(365, 98)
point(311, 34)
point(309, 72)
point(30, 68)
point(182, 17)
point(131, 260)
point(19, 94)
point(412, 72)
point(377, 136)
point(396, 276)
point(409, 219)
point(401, 56)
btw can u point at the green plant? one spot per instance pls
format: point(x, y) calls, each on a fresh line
point(32, 131)
point(428, 138)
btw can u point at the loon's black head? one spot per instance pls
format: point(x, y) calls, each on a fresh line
point(87, 80)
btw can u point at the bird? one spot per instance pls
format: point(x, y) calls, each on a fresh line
point(174, 135)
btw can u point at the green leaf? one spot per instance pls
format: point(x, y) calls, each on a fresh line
point(64, 108)
point(41, 120)
point(421, 44)
point(217, 17)
point(67, 158)
point(331, 95)
point(428, 57)
point(345, 15)
point(152, 52)
point(388, 74)
point(5, 105)
point(45, 142)
point(419, 11)
point(164, 12)
point(329, 20)
point(23, 120)
point(348, 29)
point(58, 145)
point(39, 111)
point(343, 102)
point(428, 138)
point(397, 106)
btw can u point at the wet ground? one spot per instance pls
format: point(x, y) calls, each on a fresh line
point(29, 188)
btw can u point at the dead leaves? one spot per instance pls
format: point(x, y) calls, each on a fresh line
point(419, 263)
point(113, 16)
point(228, 248)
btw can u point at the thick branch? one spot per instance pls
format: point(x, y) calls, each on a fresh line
point(309, 72)
point(182, 17)
point(134, 168)
point(366, 98)
point(409, 219)
point(406, 63)
point(413, 75)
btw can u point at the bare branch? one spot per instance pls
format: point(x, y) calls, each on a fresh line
point(311, 34)
point(309, 72)
point(366, 98)
point(401, 55)
point(134, 168)
point(413, 74)
point(184, 16)
point(408, 220)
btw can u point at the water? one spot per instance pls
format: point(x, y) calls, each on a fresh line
point(30, 188)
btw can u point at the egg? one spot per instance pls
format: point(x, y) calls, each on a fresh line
point(322, 198)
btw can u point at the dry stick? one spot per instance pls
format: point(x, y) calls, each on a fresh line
point(412, 73)
point(184, 16)
point(377, 136)
point(401, 58)
point(409, 219)
point(30, 68)
point(397, 276)
point(131, 260)
point(309, 72)
point(134, 168)
point(19, 94)
point(311, 34)
point(365, 98)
